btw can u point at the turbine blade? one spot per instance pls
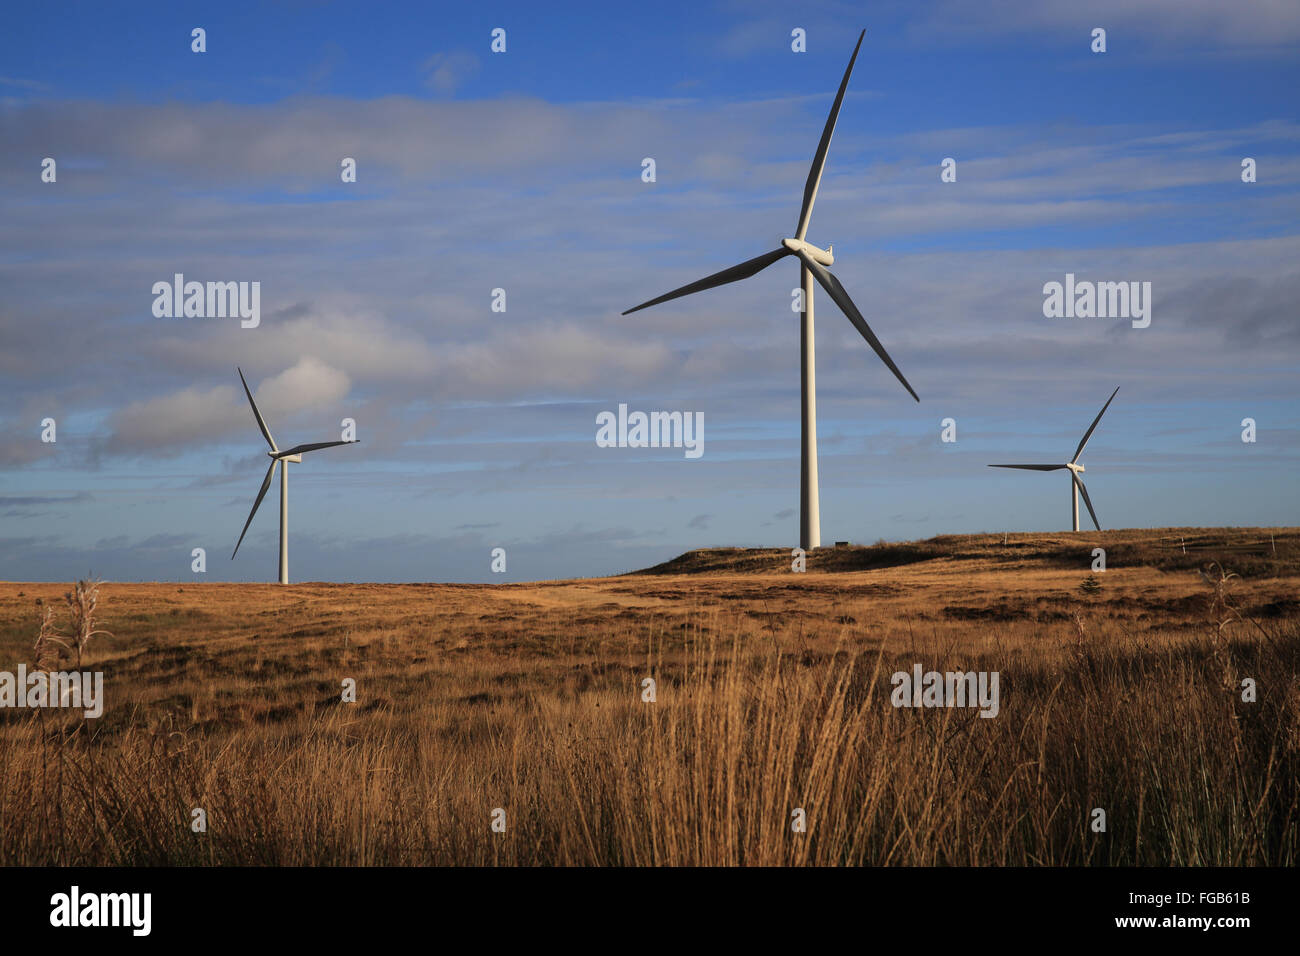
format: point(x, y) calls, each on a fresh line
point(819, 160)
point(1086, 500)
point(836, 291)
point(1032, 467)
point(261, 422)
point(734, 274)
point(299, 449)
point(266, 483)
point(1088, 433)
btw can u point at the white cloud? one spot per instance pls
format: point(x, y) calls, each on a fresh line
point(308, 384)
point(167, 422)
point(446, 72)
point(1214, 23)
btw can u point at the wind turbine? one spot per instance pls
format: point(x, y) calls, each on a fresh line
point(281, 458)
point(1076, 483)
point(812, 265)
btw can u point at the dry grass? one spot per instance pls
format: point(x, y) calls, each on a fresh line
point(773, 693)
point(82, 601)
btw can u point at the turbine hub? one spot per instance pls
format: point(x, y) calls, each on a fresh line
point(1075, 468)
point(822, 256)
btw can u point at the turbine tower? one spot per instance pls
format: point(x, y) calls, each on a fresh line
point(1076, 483)
point(812, 266)
point(281, 458)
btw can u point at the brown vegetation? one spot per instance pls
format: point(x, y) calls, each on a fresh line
point(772, 694)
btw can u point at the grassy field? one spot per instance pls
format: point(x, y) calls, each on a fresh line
point(772, 694)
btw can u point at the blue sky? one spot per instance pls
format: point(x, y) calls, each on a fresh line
point(522, 171)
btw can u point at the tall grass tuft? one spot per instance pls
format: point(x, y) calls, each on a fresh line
point(81, 601)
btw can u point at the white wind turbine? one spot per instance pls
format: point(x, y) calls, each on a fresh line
point(281, 458)
point(1076, 483)
point(812, 265)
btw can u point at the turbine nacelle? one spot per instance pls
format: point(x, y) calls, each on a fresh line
point(1075, 468)
point(296, 459)
point(821, 256)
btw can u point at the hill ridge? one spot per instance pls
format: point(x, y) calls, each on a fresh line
point(1253, 552)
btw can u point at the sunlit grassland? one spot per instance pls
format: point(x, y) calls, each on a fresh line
point(772, 693)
